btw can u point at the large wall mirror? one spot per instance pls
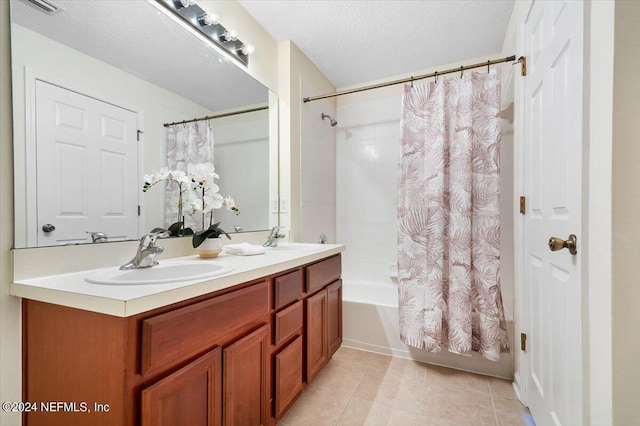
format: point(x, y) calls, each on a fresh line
point(94, 85)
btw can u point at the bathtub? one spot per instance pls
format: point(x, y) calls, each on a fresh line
point(370, 323)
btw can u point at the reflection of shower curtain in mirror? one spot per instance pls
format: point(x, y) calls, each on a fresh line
point(449, 218)
point(190, 143)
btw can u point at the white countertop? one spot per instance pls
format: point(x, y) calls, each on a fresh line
point(72, 290)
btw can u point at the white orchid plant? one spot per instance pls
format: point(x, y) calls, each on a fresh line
point(197, 193)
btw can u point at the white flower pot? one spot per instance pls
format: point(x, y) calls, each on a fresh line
point(211, 247)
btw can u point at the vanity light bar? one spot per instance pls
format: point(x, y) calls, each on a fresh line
point(207, 26)
point(47, 6)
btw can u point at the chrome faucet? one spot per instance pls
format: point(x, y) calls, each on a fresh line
point(274, 235)
point(147, 252)
point(98, 237)
point(322, 239)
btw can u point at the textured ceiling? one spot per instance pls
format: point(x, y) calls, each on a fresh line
point(353, 42)
point(135, 37)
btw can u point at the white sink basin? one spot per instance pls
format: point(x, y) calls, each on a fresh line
point(295, 248)
point(165, 272)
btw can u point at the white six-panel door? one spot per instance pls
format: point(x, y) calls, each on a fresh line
point(553, 190)
point(87, 167)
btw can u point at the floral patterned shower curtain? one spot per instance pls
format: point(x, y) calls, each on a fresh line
point(189, 143)
point(449, 220)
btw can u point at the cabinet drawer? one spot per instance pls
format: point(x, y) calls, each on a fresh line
point(288, 322)
point(322, 273)
point(288, 288)
point(174, 336)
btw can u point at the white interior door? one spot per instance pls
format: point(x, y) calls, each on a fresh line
point(553, 187)
point(87, 167)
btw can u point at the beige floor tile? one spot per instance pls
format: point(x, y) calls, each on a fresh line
point(399, 418)
point(416, 369)
point(510, 412)
point(386, 366)
point(352, 359)
point(502, 388)
point(448, 377)
point(461, 405)
point(317, 406)
point(398, 392)
point(361, 412)
point(362, 388)
point(339, 376)
point(351, 354)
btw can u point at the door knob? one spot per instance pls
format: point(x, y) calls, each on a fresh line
point(48, 228)
point(571, 243)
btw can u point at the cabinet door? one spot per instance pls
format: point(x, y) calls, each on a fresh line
point(317, 334)
point(335, 316)
point(246, 379)
point(191, 395)
point(288, 375)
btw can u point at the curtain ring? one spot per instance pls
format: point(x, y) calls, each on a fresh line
point(436, 77)
point(412, 82)
point(461, 71)
point(488, 69)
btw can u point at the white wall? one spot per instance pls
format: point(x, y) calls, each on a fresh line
point(317, 167)
point(10, 320)
point(626, 215)
point(307, 165)
point(367, 149)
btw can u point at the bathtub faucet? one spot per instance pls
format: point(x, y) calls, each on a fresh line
point(274, 235)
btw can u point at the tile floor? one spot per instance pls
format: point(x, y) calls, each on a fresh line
point(362, 388)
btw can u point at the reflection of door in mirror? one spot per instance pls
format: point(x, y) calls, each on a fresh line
point(87, 161)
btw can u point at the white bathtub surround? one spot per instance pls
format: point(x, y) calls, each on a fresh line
point(371, 323)
point(449, 217)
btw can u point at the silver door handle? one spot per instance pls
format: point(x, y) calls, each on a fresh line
point(48, 228)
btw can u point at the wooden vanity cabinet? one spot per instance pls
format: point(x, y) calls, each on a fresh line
point(288, 353)
point(246, 377)
point(323, 313)
point(317, 333)
point(191, 395)
point(240, 356)
point(334, 327)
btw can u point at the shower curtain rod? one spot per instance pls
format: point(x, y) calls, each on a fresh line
point(210, 117)
point(411, 79)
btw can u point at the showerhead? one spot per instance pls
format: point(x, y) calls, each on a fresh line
point(331, 119)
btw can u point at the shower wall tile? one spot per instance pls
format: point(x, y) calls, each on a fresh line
point(366, 190)
point(318, 173)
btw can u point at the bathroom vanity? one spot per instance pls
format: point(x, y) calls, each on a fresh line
point(239, 354)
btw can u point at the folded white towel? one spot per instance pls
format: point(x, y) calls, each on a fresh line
point(243, 249)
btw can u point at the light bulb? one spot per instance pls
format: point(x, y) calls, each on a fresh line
point(209, 19)
point(229, 36)
point(247, 49)
point(183, 3)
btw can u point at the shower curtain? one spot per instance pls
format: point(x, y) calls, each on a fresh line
point(449, 221)
point(189, 143)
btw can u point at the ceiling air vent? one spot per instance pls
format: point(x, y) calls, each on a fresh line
point(46, 6)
